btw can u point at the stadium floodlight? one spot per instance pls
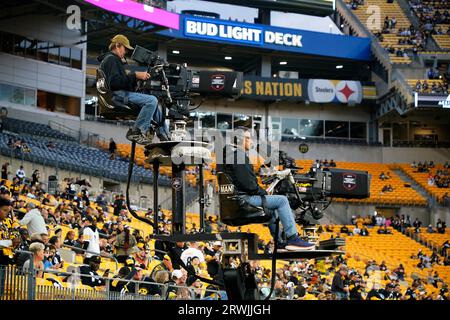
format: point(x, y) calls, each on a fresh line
point(340, 66)
point(228, 58)
point(283, 63)
point(175, 52)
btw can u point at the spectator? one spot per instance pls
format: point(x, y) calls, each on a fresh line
point(124, 244)
point(70, 239)
point(5, 171)
point(91, 238)
point(91, 277)
point(440, 226)
point(20, 174)
point(112, 149)
point(33, 220)
point(430, 229)
point(38, 257)
point(338, 287)
point(119, 204)
point(57, 260)
point(35, 178)
point(364, 232)
point(178, 279)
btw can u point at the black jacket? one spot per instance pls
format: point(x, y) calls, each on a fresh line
point(116, 77)
point(241, 174)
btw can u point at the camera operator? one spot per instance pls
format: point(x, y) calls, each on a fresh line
point(122, 86)
point(244, 180)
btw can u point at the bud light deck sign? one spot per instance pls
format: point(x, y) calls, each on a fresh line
point(271, 38)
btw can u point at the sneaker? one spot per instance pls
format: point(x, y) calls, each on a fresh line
point(297, 244)
point(134, 134)
point(144, 140)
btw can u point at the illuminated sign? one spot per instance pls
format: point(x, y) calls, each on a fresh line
point(231, 32)
point(271, 38)
point(313, 90)
point(139, 11)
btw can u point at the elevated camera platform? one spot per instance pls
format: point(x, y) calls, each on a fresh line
point(245, 244)
point(169, 153)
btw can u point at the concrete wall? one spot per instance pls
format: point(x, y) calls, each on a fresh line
point(366, 154)
point(38, 74)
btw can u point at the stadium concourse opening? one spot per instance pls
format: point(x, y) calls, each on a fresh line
point(123, 125)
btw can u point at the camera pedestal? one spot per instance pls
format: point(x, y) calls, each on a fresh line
point(178, 155)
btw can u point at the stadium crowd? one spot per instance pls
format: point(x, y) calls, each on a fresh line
point(100, 227)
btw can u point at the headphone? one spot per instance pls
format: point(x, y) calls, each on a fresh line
point(239, 136)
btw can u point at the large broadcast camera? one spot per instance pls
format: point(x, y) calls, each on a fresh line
point(313, 191)
point(175, 85)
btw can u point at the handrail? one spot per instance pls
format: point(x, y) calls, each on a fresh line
point(60, 127)
point(106, 255)
point(361, 30)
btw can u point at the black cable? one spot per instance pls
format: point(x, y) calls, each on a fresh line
point(130, 173)
point(274, 257)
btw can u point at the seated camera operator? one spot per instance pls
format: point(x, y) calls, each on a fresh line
point(122, 85)
point(244, 179)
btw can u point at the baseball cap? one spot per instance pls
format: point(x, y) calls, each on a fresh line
point(177, 273)
point(217, 243)
point(95, 259)
point(122, 40)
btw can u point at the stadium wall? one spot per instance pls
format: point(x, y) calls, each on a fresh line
point(366, 153)
point(39, 75)
point(339, 213)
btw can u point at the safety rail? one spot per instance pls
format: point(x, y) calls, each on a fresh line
point(19, 284)
point(104, 255)
point(64, 129)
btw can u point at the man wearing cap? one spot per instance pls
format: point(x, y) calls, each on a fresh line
point(91, 277)
point(178, 279)
point(122, 85)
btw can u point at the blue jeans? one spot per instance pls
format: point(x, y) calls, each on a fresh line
point(283, 210)
point(149, 109)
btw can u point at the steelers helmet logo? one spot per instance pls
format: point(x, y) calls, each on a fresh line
point(143, 291)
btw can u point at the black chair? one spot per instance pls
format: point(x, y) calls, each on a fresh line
point(110, 106)
point(234, 210)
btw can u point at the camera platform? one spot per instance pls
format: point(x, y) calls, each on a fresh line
point(246, 245)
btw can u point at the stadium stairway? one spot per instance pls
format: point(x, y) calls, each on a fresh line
point(414, 185)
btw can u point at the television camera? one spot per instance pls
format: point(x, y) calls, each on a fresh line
point(312, 192)
point(176, 86)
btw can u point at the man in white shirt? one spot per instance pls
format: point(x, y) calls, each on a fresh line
point(20, 173)
point(191, 252)
point(33, 220)
point(91, 238)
